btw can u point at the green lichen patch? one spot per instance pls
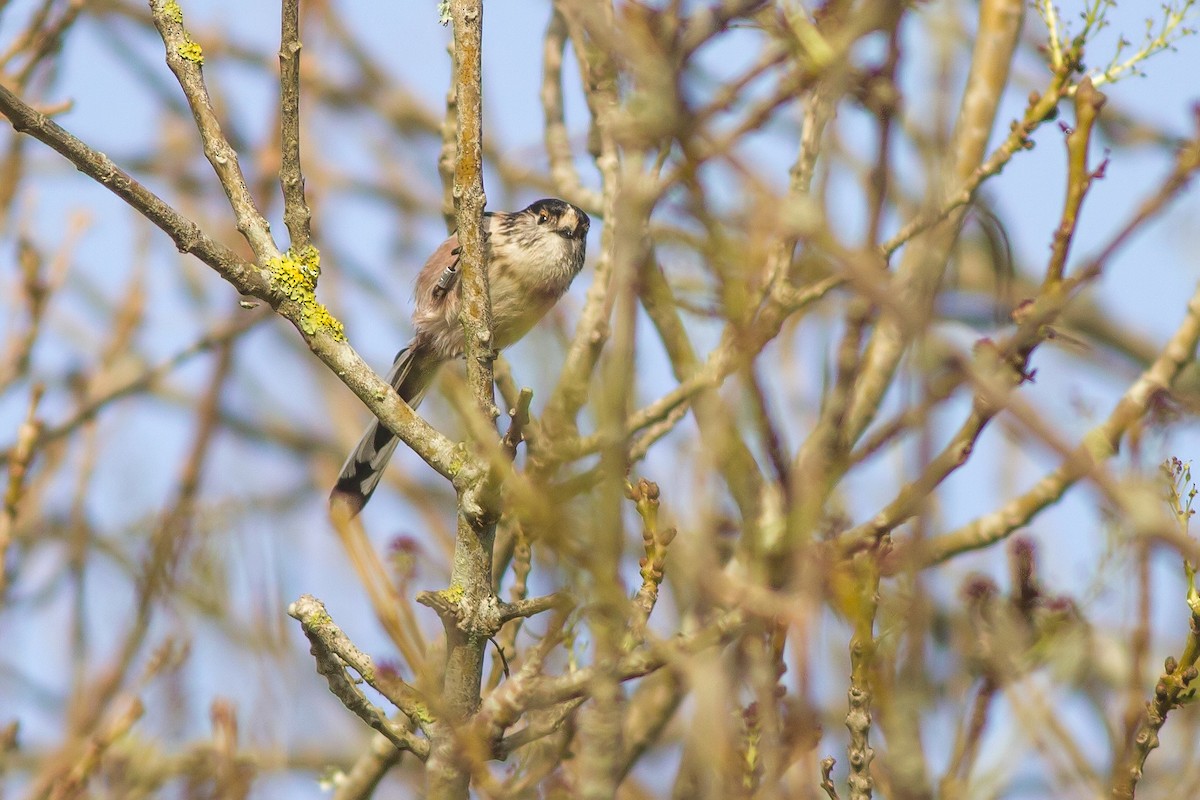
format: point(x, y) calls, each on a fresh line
point(422, 714)
point(191, 51)
point(173, 12)
point(295, 275)
point(319, 620)
point(316, 317)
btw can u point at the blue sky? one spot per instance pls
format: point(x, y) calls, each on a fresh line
point(1145, 286)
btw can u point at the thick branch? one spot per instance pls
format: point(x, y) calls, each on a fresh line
point(470, 603)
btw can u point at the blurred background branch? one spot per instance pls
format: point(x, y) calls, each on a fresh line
point(841, 468)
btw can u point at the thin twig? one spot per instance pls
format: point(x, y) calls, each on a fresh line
point(1102, 441)
point(318, 624)
point(14, 487)
point(922, 269)
point(184, 57)
point(330, 665)
point(296, 214)
point(558, 145)
point(218, 337)
point(549, 691)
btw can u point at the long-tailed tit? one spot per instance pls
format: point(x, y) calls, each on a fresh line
point(533, 255)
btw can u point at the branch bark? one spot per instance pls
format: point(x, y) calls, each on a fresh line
point(468, 607)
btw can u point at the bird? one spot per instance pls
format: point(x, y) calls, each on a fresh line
point(532, 257)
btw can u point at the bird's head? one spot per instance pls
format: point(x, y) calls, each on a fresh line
point(560, 217)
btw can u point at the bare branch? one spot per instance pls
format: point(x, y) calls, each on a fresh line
point(296, 213)
point(324, 637)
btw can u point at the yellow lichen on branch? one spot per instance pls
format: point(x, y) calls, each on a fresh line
point(295, 275)
point(192, 52)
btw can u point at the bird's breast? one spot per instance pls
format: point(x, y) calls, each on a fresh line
point(526, 281)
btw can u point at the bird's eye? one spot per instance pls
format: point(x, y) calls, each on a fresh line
point(543, 218)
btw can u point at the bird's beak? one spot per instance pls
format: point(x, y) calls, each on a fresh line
point(573, 225)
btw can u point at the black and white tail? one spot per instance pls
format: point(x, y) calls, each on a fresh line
point(410, 375)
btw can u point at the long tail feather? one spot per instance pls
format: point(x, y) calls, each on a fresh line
point(410, 375)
